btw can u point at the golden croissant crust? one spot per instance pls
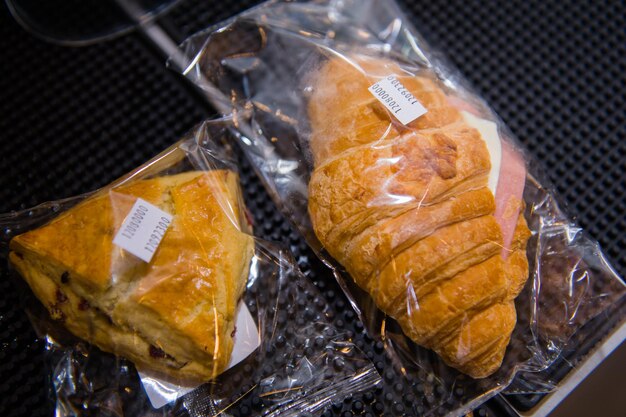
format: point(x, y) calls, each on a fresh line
point(174, 316)
point(406, 210)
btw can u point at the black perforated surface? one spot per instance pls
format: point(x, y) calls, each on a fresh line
point(74, 119)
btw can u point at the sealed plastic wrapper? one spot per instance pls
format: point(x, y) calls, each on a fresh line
point(161, 269)
point(438, 226)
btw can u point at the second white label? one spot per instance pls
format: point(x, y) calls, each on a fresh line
point(397, 99)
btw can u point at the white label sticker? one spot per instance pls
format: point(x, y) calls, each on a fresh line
point(397, 99)
point(142, 230)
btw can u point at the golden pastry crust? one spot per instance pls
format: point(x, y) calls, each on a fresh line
point(439, 312)
point(432, 260)
point(406, 210)
point(364, 253)
point(343, 109)
point(479, 344)
point(173, 316)
point(371, 183)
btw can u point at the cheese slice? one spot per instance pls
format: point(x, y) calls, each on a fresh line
point(489, 132)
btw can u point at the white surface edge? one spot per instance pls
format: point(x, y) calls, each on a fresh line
point(576, 376)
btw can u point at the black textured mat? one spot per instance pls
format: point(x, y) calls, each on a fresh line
point(73, 119)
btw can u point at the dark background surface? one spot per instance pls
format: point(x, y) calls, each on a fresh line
point(73, 119)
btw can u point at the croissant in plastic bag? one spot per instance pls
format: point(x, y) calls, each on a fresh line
point(408, 212)
point(429, 216)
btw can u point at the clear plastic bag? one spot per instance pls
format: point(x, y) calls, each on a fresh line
point(207, 279)
point(318, 92)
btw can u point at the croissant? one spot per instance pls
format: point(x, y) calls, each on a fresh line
point(408, 212)
point(174, 316)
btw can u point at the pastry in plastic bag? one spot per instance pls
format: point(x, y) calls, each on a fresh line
point(174, 315)
point(407, 210)
point(294, 77)
point(212, 321)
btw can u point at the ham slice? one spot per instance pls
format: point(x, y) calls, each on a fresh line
point(509, 193)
